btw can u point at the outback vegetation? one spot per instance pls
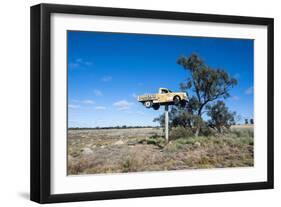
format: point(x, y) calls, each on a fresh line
point(215, 141)
point(204, 86)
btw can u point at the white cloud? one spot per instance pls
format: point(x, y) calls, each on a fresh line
point(88, 101)
point(100, 108)
point(85, 101)
point(123, 105)
point(73, 65)
point(83, 62)
point(98, 92)
point(72, 106)
point(106, 78)
point(78, 63)
point(249, 90)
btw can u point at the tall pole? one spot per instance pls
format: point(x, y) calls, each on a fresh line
point(167, 122)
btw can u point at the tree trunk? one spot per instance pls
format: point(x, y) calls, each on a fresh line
point(199, 122)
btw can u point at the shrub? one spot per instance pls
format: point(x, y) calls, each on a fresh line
point(221, 117)
point(207, 131)
point(151, 141)
point(177, 144)
point(154, 136)
point(180, 132)
point(158, 141)
point(127, 164)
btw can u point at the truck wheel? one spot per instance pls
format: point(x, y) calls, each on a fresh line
point(177, 100)
point(148, 104)
point(156, 106)
point(183, 103)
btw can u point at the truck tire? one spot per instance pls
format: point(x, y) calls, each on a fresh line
point(177, 100)
point(156, 106)
point(183, 103)
point(147, 104)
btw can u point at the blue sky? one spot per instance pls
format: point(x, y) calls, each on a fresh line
point(106, 71)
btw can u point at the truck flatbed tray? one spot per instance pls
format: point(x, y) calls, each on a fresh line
point(147, 97)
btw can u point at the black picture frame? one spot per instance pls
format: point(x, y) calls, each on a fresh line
point(41, 97)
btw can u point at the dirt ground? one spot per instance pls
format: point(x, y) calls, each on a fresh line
point(144, 149)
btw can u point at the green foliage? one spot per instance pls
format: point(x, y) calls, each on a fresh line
point(180, 117)
point(127, 164)
point(151, 141)
point(180, 132)
point(208, 84)
point(187, 140)
point(205, 130)
point(220, 116)
point(205, 85)
point(156, 140)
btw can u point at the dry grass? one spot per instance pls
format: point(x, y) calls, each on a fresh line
point(132, 150)
point(243, 126)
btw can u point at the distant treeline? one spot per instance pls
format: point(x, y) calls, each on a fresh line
point(115, 127)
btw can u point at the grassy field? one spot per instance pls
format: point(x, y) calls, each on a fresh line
point(144, 149)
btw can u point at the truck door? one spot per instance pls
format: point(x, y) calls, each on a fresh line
point(164, 95)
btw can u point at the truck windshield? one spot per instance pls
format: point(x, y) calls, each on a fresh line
point(165, 91)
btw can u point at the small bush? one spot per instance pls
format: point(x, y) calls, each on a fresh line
point(127, 164)
point(180, 132)
point(154, 136)
point(158, 141)
point(207, 131)
point(179, 145)
point(151, 141)
point(183, 141)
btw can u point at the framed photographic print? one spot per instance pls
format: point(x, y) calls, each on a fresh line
point(133, 103)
